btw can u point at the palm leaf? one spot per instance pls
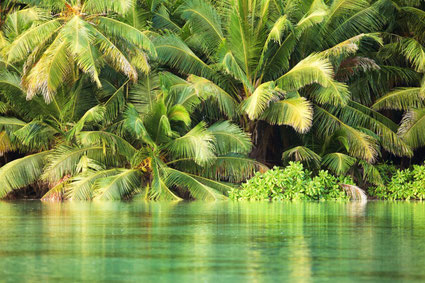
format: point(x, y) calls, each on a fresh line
point(295, 112)
point(197, 189)
point(198, 143)
point(302, 154)
point(229, 138)
point(338, 163)
point(21, 172)
point(119, 186)
point(401, 99)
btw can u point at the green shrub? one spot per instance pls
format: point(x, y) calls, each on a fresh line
point(291, 183)
point(404, 185)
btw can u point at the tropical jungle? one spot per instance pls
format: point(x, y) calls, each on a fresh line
point(212, 99)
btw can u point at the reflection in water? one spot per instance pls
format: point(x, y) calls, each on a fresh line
point(200, 241)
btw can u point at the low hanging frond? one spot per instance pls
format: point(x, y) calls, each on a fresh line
point(159, 189)
point(119, 186)
point(234, 168)
point(302, 154)
point(197, 189)
point(64, 160)
point(21, 172)
point(338, 163)
point(360, 144)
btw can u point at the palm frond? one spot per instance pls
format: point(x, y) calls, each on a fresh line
point(296, 112)
point(226, 102)
point(338, 163)
point(401, 99)
point(313, 69)
point(198, 143)
point(204, 21)
point(104, 6)
point(197, 189)
point(21, 172)
point(255, 104)
point(412, 127)
point(117, 144)
point(119, 186)
point(229, 138)
point(175, 53)
point(120, 29)
point(302, 154)
point(64, 160)
point(28, 40)
point(336, 93)
point(360, 145)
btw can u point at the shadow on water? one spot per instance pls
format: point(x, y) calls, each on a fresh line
point(201, 241)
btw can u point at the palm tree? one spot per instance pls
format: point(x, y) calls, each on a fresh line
point(83, 147)
point(57, 39)
point(287, 63)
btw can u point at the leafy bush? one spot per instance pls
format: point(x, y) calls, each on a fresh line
point(291, 183)
point(404, 185)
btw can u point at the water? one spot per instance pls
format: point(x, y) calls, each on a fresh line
point(212, 242)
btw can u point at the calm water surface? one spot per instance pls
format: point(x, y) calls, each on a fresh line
point(207, 242)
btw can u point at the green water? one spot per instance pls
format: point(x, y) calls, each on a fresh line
point(212, 242)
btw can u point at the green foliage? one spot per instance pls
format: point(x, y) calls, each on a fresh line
point(292, 183)
point(403, 185)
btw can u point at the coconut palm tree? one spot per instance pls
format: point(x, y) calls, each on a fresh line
point(85, 146)
point(56, 39)
point(287, 63)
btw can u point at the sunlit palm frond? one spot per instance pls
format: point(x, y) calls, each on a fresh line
point(296, 112)
point(196, 188)
point(256, 103)
point(21, 172)
point(117, 144)
point(104, 6)
point(198, 143)
point(28, 40)
point(313, 69)
point(119, 186)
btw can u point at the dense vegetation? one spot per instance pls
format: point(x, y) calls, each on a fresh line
point(179, 99)
point(402, 185)
point(292, 183)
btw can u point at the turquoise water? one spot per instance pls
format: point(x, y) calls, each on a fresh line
point(207, 242)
